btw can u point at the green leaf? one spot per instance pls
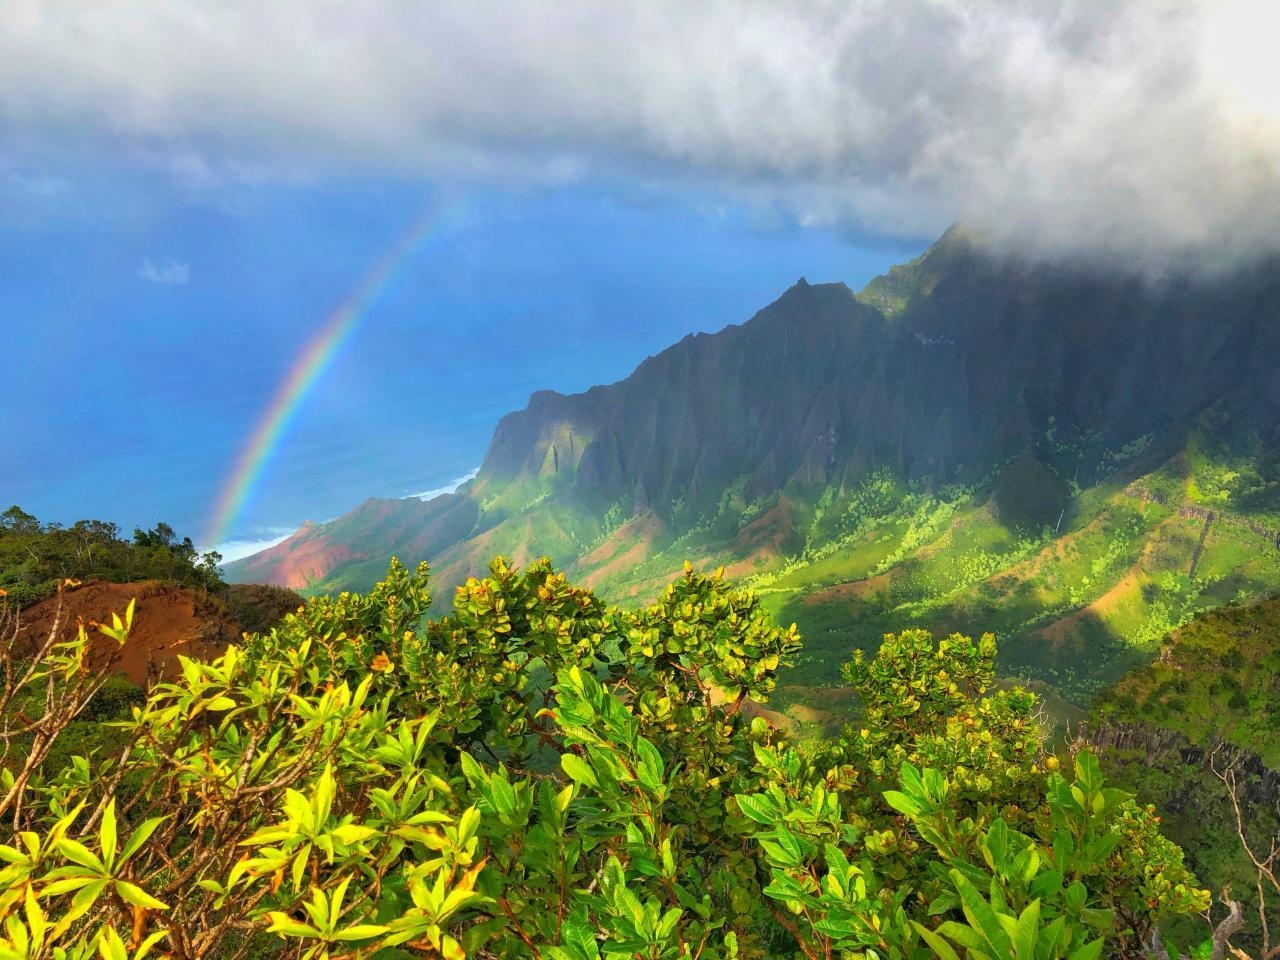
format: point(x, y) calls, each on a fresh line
point(300, 865)
point(563, 799)
point(59, 887)
point(668, 859)
point(110, 946)
point(909, 776)
point(146, 946)
point(353, 833)
point(782, 847)
point(1051, 939)
point(790, 842)
point(668, 922)
point(1027, 931)
point(980, 915)
point(325, 789)
point(360, 931)
point(472, 770)
point(503, 798)
point(139, 837)
point(838, 929)
point(468, 823)
point(1090, 951)
point(285, 925)
point(904, 804)
point(131, 893)
point(935, 942)
point(966, 936)
point(579, 936)
point(758, 807)
point(79, 854)
point(83, 900)
point(578, 769)
point(651, 770)
point(429, 816)
point(107, 832)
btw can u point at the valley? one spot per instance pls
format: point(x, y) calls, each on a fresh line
point(1078, 461)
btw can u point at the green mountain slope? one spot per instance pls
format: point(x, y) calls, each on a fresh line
point(1078, 461)
point(1076, 605)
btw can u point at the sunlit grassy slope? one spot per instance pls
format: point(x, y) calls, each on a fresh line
point(1076, 601)
point(1080, 582)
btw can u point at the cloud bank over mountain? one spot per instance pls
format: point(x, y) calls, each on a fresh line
point(1147, 128)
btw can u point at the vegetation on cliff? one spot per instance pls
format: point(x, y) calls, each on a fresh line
point(1197, 732)
point(35, 557)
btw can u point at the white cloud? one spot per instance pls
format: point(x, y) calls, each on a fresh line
point(1132, 126)
point(166, 272)
point(449, 487)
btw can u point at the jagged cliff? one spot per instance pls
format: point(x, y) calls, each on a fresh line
point(968, 366)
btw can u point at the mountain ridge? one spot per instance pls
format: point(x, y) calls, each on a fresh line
point(1021, 384)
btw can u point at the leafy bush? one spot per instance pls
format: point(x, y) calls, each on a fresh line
point(540, 775)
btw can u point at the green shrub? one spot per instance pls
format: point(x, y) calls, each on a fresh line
point(538, 774)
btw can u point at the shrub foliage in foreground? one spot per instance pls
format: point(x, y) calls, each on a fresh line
point(541, 775)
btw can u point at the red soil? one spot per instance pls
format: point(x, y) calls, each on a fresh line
point(849, 591)
point(766, 539)
point(624, 548)
point(168, 621)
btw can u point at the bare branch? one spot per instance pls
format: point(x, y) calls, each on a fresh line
point(1227, 929)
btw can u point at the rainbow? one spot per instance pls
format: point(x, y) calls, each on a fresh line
point(307, 369)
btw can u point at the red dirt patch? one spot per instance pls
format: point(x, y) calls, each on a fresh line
point(624, 548)
point(766, 539)
point(849, 591)
point(1057, 551)
point(168, 621)
point(1061, 632)
point(775, 718)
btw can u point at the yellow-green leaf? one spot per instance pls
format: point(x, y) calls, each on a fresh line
point(132, 893)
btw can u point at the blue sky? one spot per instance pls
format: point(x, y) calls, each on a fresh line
point(188, 189)
point(156, 324)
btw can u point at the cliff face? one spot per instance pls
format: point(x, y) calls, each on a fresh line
point(945, 369)
point(1111, 353)
point(964, 360)
point(790, 395)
